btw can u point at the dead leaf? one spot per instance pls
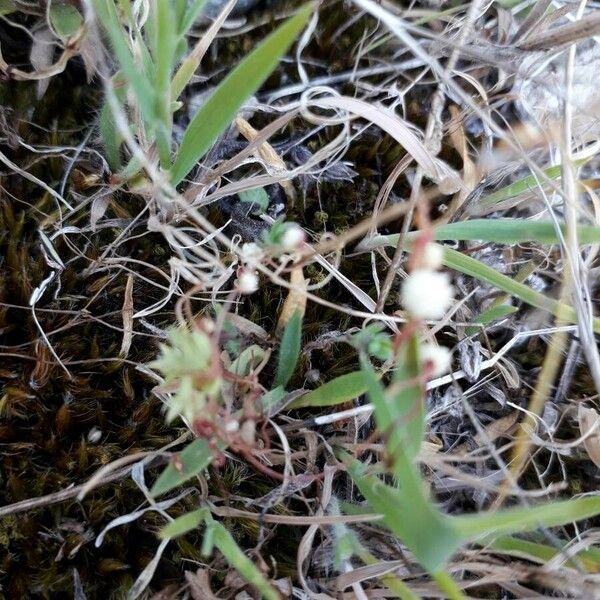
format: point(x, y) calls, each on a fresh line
point(588, 421)
point(296, 298)
point(199, 585)
point(127, 313)
point(42, 52)
point(268, 154)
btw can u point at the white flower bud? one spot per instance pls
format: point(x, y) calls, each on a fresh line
point(292, 237)
point(251, 254)
point(426, 294)
point(246, 282)
point(94, 435)
point(433, 255)
point(438, 359)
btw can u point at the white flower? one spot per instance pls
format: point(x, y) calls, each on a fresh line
point(251, 254)
point(433, 254)
point(426, 294)
point(437, 359)
point(292, 237)
point(246, 282)
point(94, 435)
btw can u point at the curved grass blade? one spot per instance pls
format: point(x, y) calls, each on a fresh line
point(223, 540)
point(501, 231)
point(220, 109)
point(518, 520)
point(542, 553)
point(474, 268)
point(469, 266)
point(136, 78)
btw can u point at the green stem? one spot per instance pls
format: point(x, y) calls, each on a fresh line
point(448, 585)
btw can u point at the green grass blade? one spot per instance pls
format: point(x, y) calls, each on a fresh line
point(409, 514)
point(289, 350)
point(240, 562)
point(337, 391)
point(470, 266)
point(542, 553)
point(491, 315)
point(183, 524)
point(190, 16)
point(193, 459)
point(220, 109)
point(448, 585)
point(164, 47)
point(502, 231)
point(512, 231)
point(526, 184)
point(136, 78)
point(399, 410)
point(518, 520)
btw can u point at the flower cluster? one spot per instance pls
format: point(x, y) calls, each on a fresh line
point(190, 364)
point(282, 238)
point(427, 294)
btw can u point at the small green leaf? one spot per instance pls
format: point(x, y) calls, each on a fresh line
point(256, 196)
point(337, 391)
point(193, 459)
point(492, 314)
point(270, 399)
point(183, 524)
point(220, 109)
point(248, 360)
point(65, 19)
point(289, 350)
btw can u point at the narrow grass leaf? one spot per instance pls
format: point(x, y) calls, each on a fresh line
point(183, 524)
point(502, 231)
point(164, 46)
point(542, 553)
point(220, 109)
point(512, 231)
point(289, 350)
point(193, 459)
point(136, 78)
point(337, 391)
point(516, 520)
point(470, 266)
point(241, 563)
point(190, 15)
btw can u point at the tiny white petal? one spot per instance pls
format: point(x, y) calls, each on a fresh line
point(426, 294)
point(246, 282)
point(94, 435)
point(433, 256)
point(251, 254)
point(292, 237)
point(232, 426)
point(439, 359)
